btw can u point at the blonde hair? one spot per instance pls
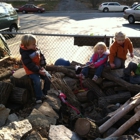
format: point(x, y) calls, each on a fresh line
point(119, 35)
point(100, 45)
point(27, 39)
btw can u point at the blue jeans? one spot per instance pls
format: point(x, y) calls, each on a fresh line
point(134, 79)
point(98, 71)
point(37, 85)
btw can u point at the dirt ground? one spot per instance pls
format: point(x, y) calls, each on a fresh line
point(7, 65)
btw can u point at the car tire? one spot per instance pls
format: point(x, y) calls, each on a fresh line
point(105, 10)
point(13, 29)
point(39, 11)
point(131, 19)
point(24, 12)
point(124, 8)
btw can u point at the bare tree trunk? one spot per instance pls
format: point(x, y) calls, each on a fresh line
point(86, 128)
point(19, 95)
point(5, 90)
point(68, 72)
point(127, 124)
point(121, 82)
point(132, 102)
point(113, 99)
point(59, 84)
point(6, 74)
point(21, 80)
point(88, 83)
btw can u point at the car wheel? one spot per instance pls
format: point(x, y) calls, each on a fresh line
point(13, 29)
point(39, 11)
point(105, 10)
point(131, 19)
point(24, 12)
point(124, 8)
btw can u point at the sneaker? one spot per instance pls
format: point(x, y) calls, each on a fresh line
point(78, 69)
point(38, 101)
point(95, 78)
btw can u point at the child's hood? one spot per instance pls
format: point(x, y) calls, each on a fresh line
point(22, 47)
point(107, 52)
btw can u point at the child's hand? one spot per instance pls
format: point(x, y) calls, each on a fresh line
point(48, 74)
point(92, 66)
point(131, 55)
point(112, 65)
point(38, 52)
point(42, 72)
point(42, 68)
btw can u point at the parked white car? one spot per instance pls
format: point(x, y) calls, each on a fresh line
point(133, 14)
point(134, 4)
point(112, 6)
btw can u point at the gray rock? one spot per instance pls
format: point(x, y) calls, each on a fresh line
point(4, 113)
point(47, 110)
point(37, 119)
point(35, 136)
point(60, 132)
point(11, 118)
point(53, 101)
point(2, 107)
point(15, 130)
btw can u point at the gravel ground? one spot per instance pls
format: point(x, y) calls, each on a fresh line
point(71, 5)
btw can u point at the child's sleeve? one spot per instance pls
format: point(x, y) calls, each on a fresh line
point(130, 46)
point(92, 59)
point(27, 61)
point(101, 61)
point(42, 60)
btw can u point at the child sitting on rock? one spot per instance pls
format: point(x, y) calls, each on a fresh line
point(34, 62)
point(132, 73)
point(119, 49)
point(97, 61)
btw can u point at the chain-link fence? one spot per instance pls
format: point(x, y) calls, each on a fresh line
point(70, 47)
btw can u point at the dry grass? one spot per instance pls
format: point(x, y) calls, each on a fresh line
point(87, 3)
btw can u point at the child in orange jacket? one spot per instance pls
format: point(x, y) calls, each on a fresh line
point(34, 62)
point(119, 49)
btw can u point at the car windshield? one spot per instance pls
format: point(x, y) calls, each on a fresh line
point(114, 4)
point(11, 10)
point(104, 3)
point(36, 7)
point(2, 10)
point(23, 6)
point(137, 8)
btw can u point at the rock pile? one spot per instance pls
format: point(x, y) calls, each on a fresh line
point(89, 111)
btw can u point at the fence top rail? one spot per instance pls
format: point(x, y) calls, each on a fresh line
point(65, 35)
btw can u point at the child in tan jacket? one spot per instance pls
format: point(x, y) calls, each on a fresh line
point(119, 49)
